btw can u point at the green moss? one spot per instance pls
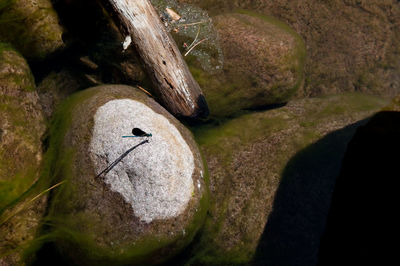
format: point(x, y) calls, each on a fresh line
point(31, 27)
point(23, 78)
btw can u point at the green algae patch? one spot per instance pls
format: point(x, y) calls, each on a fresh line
point(31, 26)
point(90, 222)
point(247, 157)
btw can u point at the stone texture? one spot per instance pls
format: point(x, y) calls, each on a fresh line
point(263, 64)
point(31, 26)
point(22, 126)
point(21, 130)
point(56, 87)
point(150, 205)
point(157, 183)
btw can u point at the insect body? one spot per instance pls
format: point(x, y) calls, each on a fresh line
point(137, 132)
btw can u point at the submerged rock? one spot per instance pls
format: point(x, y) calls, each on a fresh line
point(263, 64)
point(31, 26)
point(56, 87)
point(150, 204)
point(21, 129)
point(358, 50)
point(277, 166)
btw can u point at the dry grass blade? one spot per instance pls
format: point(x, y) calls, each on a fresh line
point(195, 39)
point(194, 46)
point(24, 205)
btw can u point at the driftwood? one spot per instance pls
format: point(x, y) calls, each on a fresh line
point(177, 89)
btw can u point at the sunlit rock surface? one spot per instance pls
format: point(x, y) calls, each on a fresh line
point(157, 181)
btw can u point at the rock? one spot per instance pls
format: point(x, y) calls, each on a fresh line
point(263, 64)
point(31, 26)
point(356, 51)
point(21, 129)
point(150, 205)
point(277, 166)
point(22, 126)
point(19, 227)
point(56, 87)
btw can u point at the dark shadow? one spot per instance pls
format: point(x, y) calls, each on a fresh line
point(295, 226)
point(363, 223)
point(48, 254)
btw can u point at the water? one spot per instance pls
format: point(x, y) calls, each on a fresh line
point(194, 33)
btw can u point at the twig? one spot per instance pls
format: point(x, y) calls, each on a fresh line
point(195, 46)
point(145, 91)
point(195, 39)
point(191, 24)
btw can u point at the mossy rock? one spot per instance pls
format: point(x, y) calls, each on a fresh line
point(21, 129)
point(263, 64)
point(20, 226)
point(31, 26)
point(21, 126)
point(248, 157)
point(146, 208)
point(394, 105)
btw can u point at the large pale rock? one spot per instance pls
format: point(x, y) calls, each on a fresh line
point(31, 26)
point(150, 205)
point(272, 175)
point(21, 130)
point(263, 64)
